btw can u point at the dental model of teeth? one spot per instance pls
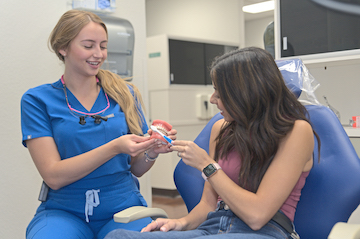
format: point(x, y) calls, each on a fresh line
point(163, 127)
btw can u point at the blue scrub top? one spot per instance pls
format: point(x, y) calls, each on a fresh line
point(44, 112)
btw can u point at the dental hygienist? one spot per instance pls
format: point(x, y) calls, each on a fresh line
point(85, 135)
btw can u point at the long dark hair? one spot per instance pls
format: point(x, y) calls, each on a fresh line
point(254, 93)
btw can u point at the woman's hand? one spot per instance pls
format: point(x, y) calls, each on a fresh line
point(139, 165)
point(164, 148)
point(162, 224)
point(192, 154)
point(134, 145)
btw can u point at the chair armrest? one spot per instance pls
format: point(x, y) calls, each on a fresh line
point(342, 230)
point(137, 212)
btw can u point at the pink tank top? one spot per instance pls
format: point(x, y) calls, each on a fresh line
point(231, 167)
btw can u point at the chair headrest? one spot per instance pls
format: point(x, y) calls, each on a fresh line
point(292, 71)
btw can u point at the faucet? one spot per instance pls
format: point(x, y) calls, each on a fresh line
point(337, 113)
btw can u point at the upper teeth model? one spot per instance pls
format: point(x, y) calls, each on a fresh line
point(160, 129)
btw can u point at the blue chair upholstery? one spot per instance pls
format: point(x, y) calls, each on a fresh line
point(332, 189)
point(185, 175)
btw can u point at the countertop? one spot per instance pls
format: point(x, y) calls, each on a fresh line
point(352, 132)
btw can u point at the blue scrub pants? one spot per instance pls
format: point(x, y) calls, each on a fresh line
point(68, 212)
point(61, 225)
point(219, 224)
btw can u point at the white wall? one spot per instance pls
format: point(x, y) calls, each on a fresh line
point(339, 82)
point(203, 19)
point(26, 62)
point(254, 31)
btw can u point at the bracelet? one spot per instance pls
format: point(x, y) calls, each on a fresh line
point(148, 158)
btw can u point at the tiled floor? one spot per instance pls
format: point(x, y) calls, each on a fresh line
point(173, 206)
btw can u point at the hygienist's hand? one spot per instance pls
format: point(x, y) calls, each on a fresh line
point(164, 148)
point(162, 224)
point(133, 144)
point(192, 154)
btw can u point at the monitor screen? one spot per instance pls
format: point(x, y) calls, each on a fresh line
point(309, 28)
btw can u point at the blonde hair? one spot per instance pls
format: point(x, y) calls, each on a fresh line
point(118, 89)
point(67, 28)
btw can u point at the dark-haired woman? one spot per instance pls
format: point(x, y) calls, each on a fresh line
point(260, 155)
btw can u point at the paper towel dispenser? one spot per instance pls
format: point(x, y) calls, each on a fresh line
point(120, 46)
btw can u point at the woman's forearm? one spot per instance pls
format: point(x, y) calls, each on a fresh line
point(58, 173)
point(141, 163)
point(197, 216)
point(199, 213)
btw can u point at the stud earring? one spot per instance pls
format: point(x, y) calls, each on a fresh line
point(62, 52)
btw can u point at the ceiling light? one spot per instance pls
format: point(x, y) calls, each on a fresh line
point(259, 7)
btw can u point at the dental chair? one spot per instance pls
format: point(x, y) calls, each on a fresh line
point(332, 189)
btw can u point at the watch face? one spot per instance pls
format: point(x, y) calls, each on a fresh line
point(208, 170)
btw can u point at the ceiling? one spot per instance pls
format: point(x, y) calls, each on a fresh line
point(247, 2)
point(251, 16)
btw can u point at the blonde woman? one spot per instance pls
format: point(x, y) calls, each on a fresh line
point(85, 135)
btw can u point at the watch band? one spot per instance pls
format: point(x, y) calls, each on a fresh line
point(210, 170)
